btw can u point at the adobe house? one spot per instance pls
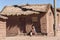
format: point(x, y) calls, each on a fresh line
point(58, 19)
point(2, 26)
point(18, 19)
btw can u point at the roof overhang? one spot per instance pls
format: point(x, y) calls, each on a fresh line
point(3, 17)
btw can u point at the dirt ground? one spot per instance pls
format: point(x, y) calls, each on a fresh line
point(31, 38)
point(57, 37)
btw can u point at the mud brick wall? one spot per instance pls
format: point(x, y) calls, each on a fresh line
point(43, 23)
point(58, 21)
point(2, 29)
point(50, 22)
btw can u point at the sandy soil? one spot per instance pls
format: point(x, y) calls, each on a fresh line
point(57, 37)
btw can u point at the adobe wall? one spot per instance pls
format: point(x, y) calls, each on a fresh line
point(50, 22)
point(58, 21)
point(2, 28)
point(43, 23)
point(58, 24)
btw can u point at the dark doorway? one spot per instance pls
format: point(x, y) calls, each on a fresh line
point(36, 24)
point(22, 24)
point(37, 27)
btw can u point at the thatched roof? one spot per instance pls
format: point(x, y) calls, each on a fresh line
point(3, 17)
point(58, 9)
point(25, 9)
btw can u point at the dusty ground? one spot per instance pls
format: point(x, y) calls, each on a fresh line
point(57, 37)
point(30, 38)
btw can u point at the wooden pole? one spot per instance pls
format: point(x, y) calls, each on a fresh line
point(55, 18)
